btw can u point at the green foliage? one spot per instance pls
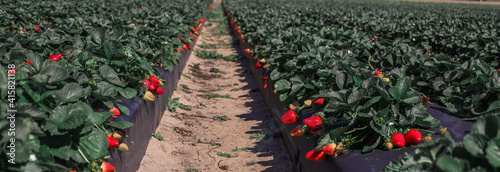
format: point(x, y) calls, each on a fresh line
point(215, 95)
point(158, 136)
point(191, 170)
point(187, 76)
point(173, 104)
point(261, 136)
point(477, 151)
point(214, 55)
point(215, 70)
point(222, 154)
point(106, 49)
point(434, 53)
point(240, 149)
point(221, 118)
point(185, 88)
point(204, 45)
point(250, 163)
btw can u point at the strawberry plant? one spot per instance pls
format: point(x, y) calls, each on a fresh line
point(366, 76)
point(74, 65)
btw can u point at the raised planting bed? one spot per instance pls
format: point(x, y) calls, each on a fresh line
point(375, 157)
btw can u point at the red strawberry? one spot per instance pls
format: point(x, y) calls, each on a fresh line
point(315, 129)
point(289, 117)
point(71, 51)
point(373, 39)
point(192, 28)
point(312, 121)
point(189, 46)
point(152, 87)
point(398, 140)
point(329, 149)
point(232, 22)
point(413, 137)
point(378, 73)
point(154, 80)
point(147, 82)
point(258, 65)
point(250, 53)
point(318, 101)
point(260, 47)
point(315, 155)
point(37, 28)
point(185, 46)
point(115, 111)
point(352, 31)
point(192, 39)
point(112, 142)
point(265, 85)
point(12, 71)
point(498, 69)
point(73, 171)
point(247, 50)
point(56, 57)
point(236, 28)
point(191, 32)
point(202, 21)
point(159, 90)
point(179, 50)
point(106, 167)
point(265, 78)
point(298, 131)
point(180, 37)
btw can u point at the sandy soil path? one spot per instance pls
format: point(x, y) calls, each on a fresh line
point(194, 140)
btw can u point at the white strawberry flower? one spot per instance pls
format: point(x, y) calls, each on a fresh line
point(32, 157)
point(391, 123)
point(349, 51)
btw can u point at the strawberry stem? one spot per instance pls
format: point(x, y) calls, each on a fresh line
point(99, 128)
point(356, 129)
point(429, 131)
point(83, 156)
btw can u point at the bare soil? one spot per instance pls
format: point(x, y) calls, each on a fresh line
point(193, 139)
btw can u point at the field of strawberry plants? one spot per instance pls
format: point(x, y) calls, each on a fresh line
point(68, 66)
point(370, 70)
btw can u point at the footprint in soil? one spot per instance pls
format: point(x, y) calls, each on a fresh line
point(183, 131)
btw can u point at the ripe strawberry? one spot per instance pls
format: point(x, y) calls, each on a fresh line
point(329, 149)
point(179, 50)
point(106, 167)
point(259, 65)
point(192, 28)
point(112, 142)
point(152, 87)
point(352, 31)
point(289, 117)
point(373, 39)
point(265, 78)
point(260, 47)
point(236, 28)
point(56, 57)
point(299, 131)
point(192, 39)
point(398, 140)
point(122, 147)
point(315, 155)
point(29, 62)
point(232, 22)
point(154, 80)
point(148, 96)
point(115, 111)
point(147, 83)
point(180, 37)
point(312, 121)
point(265, 84)
point(189, 46)
point(185, 46)
point(191, 32)
point(388, 145)
point(11, 71)
point(377, 73)
point(37, 28)
point(413, 137)
point(315, 129)
point(159, 90)
point(73, 171)
point(318, 101)
point(202, 21)
point(247, 50)
point(71, 51)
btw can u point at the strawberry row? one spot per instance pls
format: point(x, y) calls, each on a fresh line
point(307, 56)
point(70, 67)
